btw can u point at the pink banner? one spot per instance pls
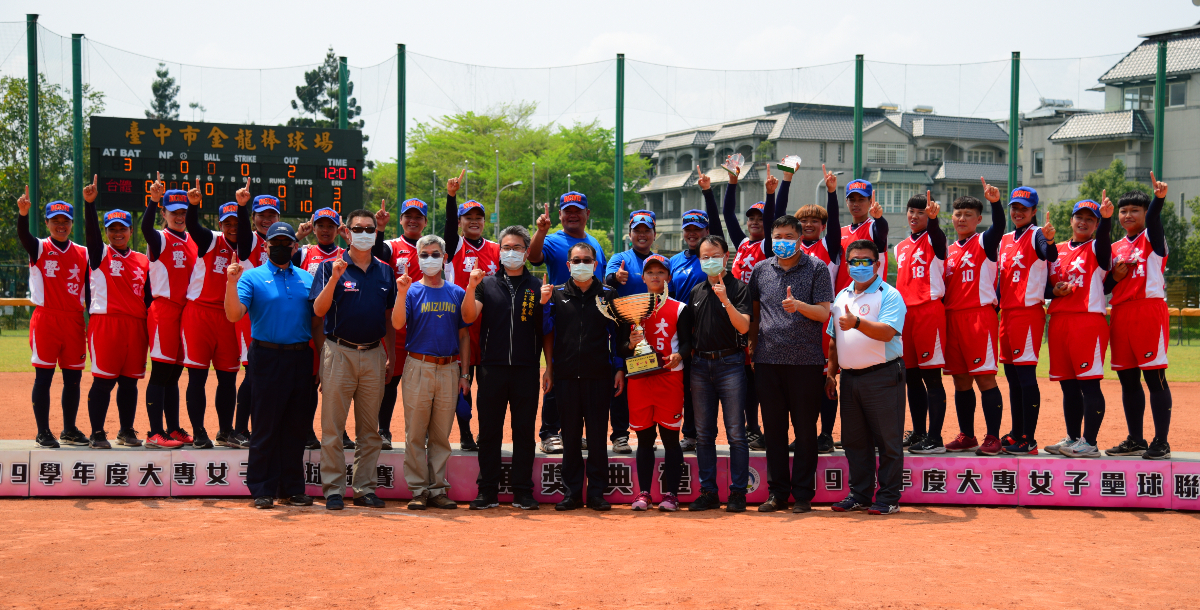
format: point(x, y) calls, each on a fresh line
point(389, 469)
point(988, 481)
point(462, 472)
point(832, 479)
point(89, 472)
point(14, 473)
point(1185, 485)
point(209, 472)
point(1096, 483)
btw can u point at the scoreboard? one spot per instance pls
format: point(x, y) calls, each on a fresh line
point(307, 168)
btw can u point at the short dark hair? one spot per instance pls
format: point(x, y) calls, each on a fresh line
point(517, 230)
point(583, 244)
point(715, 240)
point(967, 202)
point(787, 221)
point(359, 213)
point(1134, 198)
point(863, 244)
point(918, 201)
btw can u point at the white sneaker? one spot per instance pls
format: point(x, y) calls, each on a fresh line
point(1057, 448)
point(552, 444)
point(1081, 449)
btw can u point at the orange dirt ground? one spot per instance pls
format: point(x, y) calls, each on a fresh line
point(167, 553)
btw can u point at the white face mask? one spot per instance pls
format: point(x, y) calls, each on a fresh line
point(582, 272)
point(362, 241)
point(512, 259)
point(430, 266)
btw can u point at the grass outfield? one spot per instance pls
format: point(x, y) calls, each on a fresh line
point(1185, 359)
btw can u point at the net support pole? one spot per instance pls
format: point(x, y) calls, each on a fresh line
point(1160, 105)
point(858, 115)
point(343, 117)
point(401, 147)
point(77, 123)
point(35, 196)
point(619, 162)
point(1014, 124)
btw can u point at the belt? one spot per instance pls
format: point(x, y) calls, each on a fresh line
point(871, 369)
point(432, 359)
point(719, 354)
point(288, 347)
point(351, 344)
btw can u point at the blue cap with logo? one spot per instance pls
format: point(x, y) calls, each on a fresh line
point(695, 218)
point(573, 199)
point(281, 229)
point(1087, 204)
point(327, 214)
point(264, 203)
point(642, 217)
point(59, 208)
point(227, 210)
point(759, 207)
point(414, 204)
point(860, 186)
point(118, 217)
point(471, 205)
point(1025, 196)
point(656, 258)
point(175, 199)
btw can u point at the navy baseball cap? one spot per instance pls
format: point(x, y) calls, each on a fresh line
point(118, 217)
point(1025, 196)
point(226, 210)
point(656, 258)
point(1087, 204)
point(60, 208)
point(175, 200)
point(574, 199)
point(471, 205)
point(263, 203)
point(327, 214)
point(860, 186)
point(281, 229)
point(414, 204)
point(759, 207)
point(695, 218)
point(641, 217)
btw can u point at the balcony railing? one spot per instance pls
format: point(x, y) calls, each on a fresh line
point(1131, 173)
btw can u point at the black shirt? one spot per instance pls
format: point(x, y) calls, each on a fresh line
point(582, 349)
point(711, 329)
point(510, 324)
point(361, 300)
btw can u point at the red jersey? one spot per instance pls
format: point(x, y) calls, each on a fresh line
point(258, 254)
point(207, 284)
point(119, 284)
point(819, 250)
point(749, 254)
point(662, 332)
point(56, 277)
point(850, 233)
point(1021, 274)
point(468, 258)
point(918, 270)
point(1077, 265)
point(970, 279)
point(1145, 280)
point(311, 257)
point(404, 259)
point(171, 273)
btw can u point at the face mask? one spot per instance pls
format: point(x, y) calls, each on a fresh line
point(712, 266)
point(862, 274)
point(362, 241)
point(431, 266)
point(511, 259)
point(280, 255)
point(783, 248)
point(581, 272)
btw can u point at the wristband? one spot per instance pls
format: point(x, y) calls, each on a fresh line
point(856, 321)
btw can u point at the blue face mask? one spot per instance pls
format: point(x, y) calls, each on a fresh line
point(712, 266)
point(783, 248)
point(862, 274)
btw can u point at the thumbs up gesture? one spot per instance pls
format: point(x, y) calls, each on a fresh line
point(622, 274)
point(846, 321)
point(547, 289)
point(1048, 229)
point(790, 304)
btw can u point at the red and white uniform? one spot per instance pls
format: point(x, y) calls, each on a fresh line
point(865, 230)
point(749, 254)
point(207, 335)
point(1139, 324)
point(56, 331)
point(919, 279)
point(1020, 289)
point(170, 275)
point(1078, 329)
point(117, 333)
point(458, 271)
point(819, 250)
point(258, 257)
point(404, 261)
point(311, 258)
point(972, 328)
point(658, 399)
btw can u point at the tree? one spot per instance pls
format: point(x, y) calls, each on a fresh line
point(318, 96)
point(164, 106)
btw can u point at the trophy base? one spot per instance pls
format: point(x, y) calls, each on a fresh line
point(786, 168)
point(731, 172)
point(644, 366)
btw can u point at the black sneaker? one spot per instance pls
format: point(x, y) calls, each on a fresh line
point(736, 503)
point(346, 442)
point(879, 508)
point(264, 502)
point(296, 500)
point(467, 442)
point(1129, 446)
point(912, 438)
point(128, 437)
point(929, 444)
point(598, 503)
point(773, 504)
point(201, 440)
point(99, 440)
point(525, 502)
point(73, 437)
point(1158, 450)
point(483, 501)
point(46, 440)
point(335, 502)
point(386, 439)
point(313, 442)
point(568, 503)
point(370, 501)
point(824, 443)
point(706, 501)
point(802, 507)
point(755, 440)
point(240, 440)
point(847, 505)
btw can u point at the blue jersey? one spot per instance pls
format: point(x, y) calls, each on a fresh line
point(685, 274)
point(433, 317)
point(633, 264)
point(555, 248)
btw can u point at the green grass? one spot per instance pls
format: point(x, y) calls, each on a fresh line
point(14, 351)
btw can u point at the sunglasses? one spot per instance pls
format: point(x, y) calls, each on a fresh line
point(430, 255)
point(362, 229)
point(861, 262)
point(582, 261)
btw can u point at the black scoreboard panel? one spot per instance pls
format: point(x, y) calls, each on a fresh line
point(307, 168)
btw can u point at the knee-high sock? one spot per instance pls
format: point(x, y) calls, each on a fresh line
point(388, 405)
point(645, 458)
point(993, 410)
point(1133, 401)
point(42, 379)
point(829, 408)
point(171, 397)
point(673, 463)
point(1160, 402)
point(1015, 401)
point(964, 407)
point(937, 400)
point(243, 404)
point(195, 397)
point(918, 399)
point(1093, 409)
point(226, 400)
point(127, 395)
point(70, 397)
point(98, 398)
point(1072, 407)
point(1030, 396)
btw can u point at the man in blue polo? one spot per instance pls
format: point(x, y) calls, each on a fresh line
point(276, 296)
point(685, 275)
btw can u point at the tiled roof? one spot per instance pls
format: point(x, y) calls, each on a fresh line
point(757, 128)
point(949, 127)
point(1120, 125)
point(640, 147)
point(1183, 56)
point(683, 140)
point(668, 181)
point(994, 172)
point(828, 127)
point(898, 176)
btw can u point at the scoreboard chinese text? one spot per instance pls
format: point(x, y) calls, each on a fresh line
point(307, 168)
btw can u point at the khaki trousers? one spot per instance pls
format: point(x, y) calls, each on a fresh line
point(430, 398)
point(349, 374)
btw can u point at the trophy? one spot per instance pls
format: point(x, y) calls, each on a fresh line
point(789, 164)
point(733, 163)
point(634, 309)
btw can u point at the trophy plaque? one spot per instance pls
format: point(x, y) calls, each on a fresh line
point(734, 163)
point(789, 164)
point(635, 309)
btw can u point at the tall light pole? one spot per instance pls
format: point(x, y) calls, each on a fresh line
point(568, 183)
point(497, 208)
point(433, 200)
point(467, 180)
point(533, 193)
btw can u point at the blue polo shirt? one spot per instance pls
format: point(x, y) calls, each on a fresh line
point(633, 264)
point(685, 274)
point(361, 300)
point(555, 248)
point(277, 301)
point(433, 317)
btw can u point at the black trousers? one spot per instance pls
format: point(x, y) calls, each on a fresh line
point(790, 390)
point(873, 421)
point(501, 388)
point(580, 399)
point(281, 386)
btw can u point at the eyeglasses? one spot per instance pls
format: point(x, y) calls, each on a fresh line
point(362, 229)
point(582, 261)
point(861, 262)
point(512, 248)
point(430, 255)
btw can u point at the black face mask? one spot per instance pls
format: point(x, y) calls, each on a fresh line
point(280, 255)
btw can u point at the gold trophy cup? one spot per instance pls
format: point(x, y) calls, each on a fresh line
point(634, 309)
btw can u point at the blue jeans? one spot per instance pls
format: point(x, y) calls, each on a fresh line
point(720, 381)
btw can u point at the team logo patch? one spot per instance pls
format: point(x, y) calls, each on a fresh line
point(1148, 354)
point(1016, 351)
point(864, 310)
point(678, 415)
point(977, 360)
point(349, 286)
point(924, 354)
point(1084, 365)
point(753, 480)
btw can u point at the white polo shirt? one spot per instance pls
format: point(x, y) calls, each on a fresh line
point(878, 303)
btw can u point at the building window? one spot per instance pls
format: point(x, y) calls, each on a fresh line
point(894, 197)
point(1139, 98)
point(841, 153)
point(1039, 162)
point(1176, 94)
point(981, 156)
point(822, 155)
point(889, 154)
point(934, 154)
